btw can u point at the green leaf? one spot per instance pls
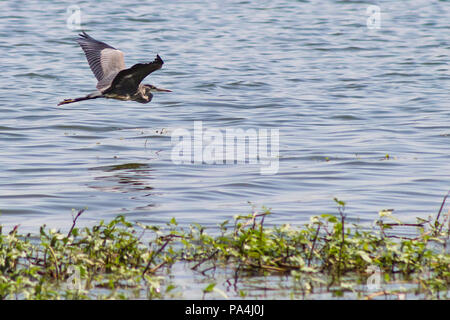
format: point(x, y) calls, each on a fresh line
point(365, 256)
point(209, 288)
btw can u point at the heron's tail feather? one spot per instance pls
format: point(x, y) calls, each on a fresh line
point(94, 95)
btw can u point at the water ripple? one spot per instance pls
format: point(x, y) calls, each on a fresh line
point(362, 114)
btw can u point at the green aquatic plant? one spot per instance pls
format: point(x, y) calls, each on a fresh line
point(125, 260)
point(105, 261)
point(329, 252)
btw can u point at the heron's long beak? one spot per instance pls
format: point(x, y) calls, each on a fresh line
point(163, 90)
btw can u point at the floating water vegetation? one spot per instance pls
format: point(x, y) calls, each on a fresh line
point(328, 256)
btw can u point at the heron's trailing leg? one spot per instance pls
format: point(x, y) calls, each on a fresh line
point(93, 95)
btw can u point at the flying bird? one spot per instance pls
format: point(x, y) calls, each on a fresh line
point(114, 80)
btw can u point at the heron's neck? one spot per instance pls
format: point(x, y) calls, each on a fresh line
point(140, 91)
point(141, 95)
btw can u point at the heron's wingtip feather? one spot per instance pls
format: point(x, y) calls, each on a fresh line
point(158, 59)
point(83, 35)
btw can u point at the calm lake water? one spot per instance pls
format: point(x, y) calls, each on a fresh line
point(342, 95)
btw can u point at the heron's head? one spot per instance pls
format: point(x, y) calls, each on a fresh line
point(152, 88)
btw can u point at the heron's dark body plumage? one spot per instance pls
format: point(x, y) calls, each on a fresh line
point(114, 80)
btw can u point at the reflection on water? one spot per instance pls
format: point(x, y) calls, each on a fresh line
point(127, 178)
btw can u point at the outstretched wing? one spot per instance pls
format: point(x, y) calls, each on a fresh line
point(128, 80)
point(104, 60)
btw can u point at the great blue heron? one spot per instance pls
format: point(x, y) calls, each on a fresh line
point(114, 81)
